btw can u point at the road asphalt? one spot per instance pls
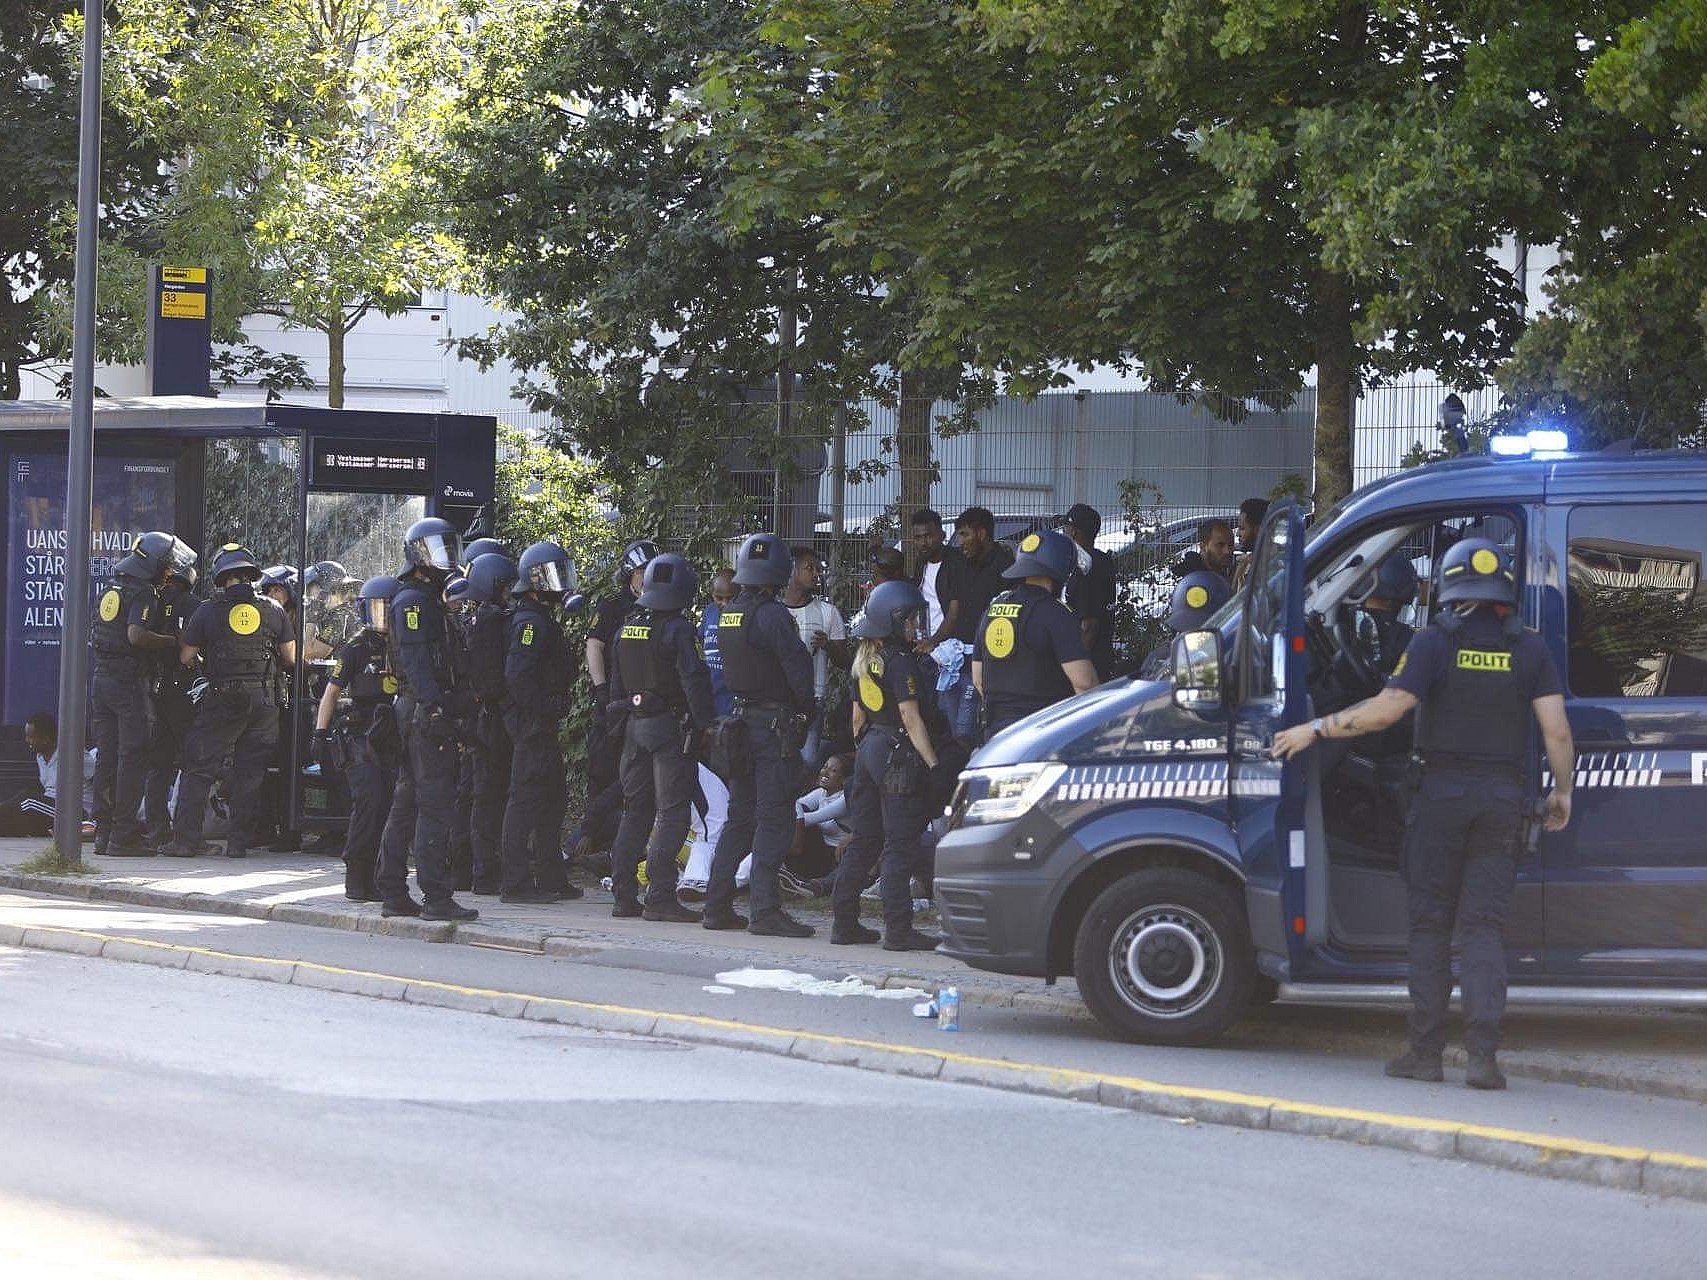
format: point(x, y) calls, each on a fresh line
point(169, 1123)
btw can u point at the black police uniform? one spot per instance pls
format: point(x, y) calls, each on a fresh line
point(1475, 681)
point(539, 671)
point(119, 719)
point(889, 815)
point(360, 668)
point(1025, 637)
point(461, 846)
point(173, 710)
point(601, 761)
point(430, 698)
point(238, 634)
point(488, 638)
point(662, 686)
point(769, 671)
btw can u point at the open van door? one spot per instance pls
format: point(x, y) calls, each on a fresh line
point(1276, 808)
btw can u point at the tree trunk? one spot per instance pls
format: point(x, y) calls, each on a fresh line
point(1336, 400)
point(913, 445)
point(335, 335)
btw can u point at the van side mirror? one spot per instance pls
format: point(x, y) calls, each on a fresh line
point(1197, 670)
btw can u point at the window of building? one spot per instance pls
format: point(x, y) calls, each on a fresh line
point(1637, 606)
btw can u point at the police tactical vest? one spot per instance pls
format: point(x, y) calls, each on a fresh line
point(1478, 712)
point(486, 654)
point(1016, 675)
point(372, 682)
point(240, 646)
point(751, 670)
point(644, 662)
point(176, 604)
point(110, 633)
point(534, 627)
point(416, 611)
point(881, 708)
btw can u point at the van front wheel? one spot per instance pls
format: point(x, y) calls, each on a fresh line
point(1164, 956)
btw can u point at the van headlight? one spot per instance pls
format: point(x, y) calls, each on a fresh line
point(1006, 793)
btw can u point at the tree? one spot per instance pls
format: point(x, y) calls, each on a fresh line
point(1623, 354)
point(39, 76)
point(301, 135)
point(1222, 196)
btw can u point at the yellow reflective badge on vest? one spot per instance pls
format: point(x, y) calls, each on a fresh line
point(1484, 660)
point(412, 617)
point(636, 631)
point(999, 631)
point(110, 606)
point(244, 619)
point(527, 633)
point(388, 683)
point(870, 691)
point(728, 620)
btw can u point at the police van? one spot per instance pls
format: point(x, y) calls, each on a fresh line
point(1140, 838)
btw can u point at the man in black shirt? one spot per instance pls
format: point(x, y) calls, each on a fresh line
point(1091, 590)
point(972, 581)
point(1478, 676)
point(1214, 550)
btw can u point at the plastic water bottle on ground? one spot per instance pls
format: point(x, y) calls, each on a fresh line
point(948, 1009)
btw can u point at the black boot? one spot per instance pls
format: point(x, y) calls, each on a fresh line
point(670, 911)
point(851, 934)
point(911, 940)
point(777, 923)
point(627, 909)
point(1413, 1064)
point(182, 848)
point(529, 897)
point(448, 909)
point(727, 919)
point(404, 906)
point(1483, 1072)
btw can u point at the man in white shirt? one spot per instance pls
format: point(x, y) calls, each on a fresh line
point(823, 633)
point(30, 813)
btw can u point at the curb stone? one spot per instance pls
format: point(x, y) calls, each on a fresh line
point(1516, 1062)
point(1621, 1168)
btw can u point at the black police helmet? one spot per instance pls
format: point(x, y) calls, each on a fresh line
point(434, 545)
point(491, 575)
point(636, 555)
point(373, 601)
point(670, 583)
point(545, 568)
point(183, 562)
point(1196, 597)
point(482, 547)
point(1476, 571)
point(235, 561)
point(323, 577)
point(887, 610)
point(456, 590)
point(1395, 581)
point(150, 557)
point(764, 560)
point(282, 575)
point(1050, 554)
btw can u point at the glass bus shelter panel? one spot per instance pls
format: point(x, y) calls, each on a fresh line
point(249, 489)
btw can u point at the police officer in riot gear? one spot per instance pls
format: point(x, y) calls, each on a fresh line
point(459, 607)
point(125, 635)
point(661, 688)
point(363, 745)
point(491, 575)
point(1381, 637)
point(482, 547)
point(769, 671)
point(243, 639)
point(1477, 676)
point(173, 710)
point(888, 793)
point(431, 702)
point(539, 672)
point(1030, 652)
point(1196, 598)
point(601, 640)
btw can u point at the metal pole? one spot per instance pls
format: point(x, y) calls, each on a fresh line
point(80, 458)
point(838, 489)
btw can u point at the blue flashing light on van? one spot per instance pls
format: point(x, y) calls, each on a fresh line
point(1139, 837)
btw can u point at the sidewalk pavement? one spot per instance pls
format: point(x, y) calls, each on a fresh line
point(1659, 1054)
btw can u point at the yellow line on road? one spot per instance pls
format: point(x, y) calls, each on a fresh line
point(1546, 1145)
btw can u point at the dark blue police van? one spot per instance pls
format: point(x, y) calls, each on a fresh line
point(1139, 837)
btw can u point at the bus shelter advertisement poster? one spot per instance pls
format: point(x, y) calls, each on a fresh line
point(131, 495)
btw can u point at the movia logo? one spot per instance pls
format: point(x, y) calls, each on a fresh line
point(451, 491)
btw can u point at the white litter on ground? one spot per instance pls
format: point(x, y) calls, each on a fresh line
point(719, 991)
point(805, 984)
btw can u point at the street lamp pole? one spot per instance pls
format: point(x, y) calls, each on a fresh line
point(80, 458)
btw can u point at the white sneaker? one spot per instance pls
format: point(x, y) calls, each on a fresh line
point(691, 890)
point(792, 884)
point(873, 894)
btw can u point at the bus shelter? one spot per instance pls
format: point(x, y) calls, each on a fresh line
point(296, 484)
